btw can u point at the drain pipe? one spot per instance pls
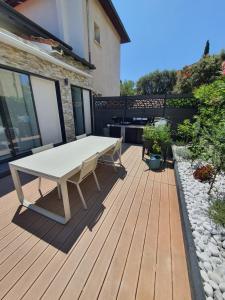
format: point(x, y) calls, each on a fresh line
point(88, 30)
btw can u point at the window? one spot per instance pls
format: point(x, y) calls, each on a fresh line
point(19, 129)
point(81, 100)
point(97, 33)
point(78, 110)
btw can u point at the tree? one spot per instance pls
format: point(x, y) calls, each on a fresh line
point(157, 82)
point(205, 71)
point(127, 88)
point(206, 50)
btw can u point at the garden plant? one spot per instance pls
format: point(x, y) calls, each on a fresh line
point(158, 137)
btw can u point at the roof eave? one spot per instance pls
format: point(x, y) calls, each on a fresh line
point(115, 19)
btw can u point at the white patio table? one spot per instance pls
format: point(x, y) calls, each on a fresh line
point(58, 164)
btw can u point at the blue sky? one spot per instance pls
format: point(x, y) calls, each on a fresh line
point(168, 34)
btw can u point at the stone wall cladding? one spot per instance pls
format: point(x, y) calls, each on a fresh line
point(24, 61)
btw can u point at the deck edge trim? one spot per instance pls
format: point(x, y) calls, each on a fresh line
point(196, 285)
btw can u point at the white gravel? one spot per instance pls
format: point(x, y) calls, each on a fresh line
point(209, 238)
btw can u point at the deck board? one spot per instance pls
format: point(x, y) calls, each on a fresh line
point(163, 281)
point(127, 245)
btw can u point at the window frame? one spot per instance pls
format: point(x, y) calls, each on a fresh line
point(74, 112)
point(97, 34)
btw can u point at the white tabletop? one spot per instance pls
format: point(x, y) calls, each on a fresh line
point(63, 160)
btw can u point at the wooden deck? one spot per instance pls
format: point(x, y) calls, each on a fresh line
point(127, 245)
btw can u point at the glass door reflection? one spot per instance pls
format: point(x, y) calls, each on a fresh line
point(78, 110)
point(18, 111)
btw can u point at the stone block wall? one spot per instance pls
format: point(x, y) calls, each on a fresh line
point(23, 61)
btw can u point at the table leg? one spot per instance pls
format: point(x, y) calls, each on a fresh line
point(120, 155)
point(40, 210)
point(65, 198)
point(123, 133)
point(17, 183)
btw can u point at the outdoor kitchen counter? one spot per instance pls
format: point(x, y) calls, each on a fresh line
point(131, 133)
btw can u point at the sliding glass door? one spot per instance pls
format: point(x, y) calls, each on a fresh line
point(5, 151)
point(18, 122)
point(78, 110)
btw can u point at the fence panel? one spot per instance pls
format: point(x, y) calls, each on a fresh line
point(175, 108)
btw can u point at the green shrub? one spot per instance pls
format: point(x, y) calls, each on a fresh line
point(205, 71)
point(185, 131)
point(217, 211)
point(208, 141)
point(159, 137)
point(156, 148)
point(160, 134)
point(182, 102)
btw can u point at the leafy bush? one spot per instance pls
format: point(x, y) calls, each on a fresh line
point(211, 103)
point(182, 153)
point(217, 211)
point(204, 173)
point(185, 131)
point(181, 102)
point(205, 71)
point(158, 136)
point(209, 128)
point(156, 148)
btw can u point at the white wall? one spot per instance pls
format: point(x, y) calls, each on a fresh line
point(47, 110)
point(42, 12)
point(66, 19)
point(73, 24)
point(106, 57)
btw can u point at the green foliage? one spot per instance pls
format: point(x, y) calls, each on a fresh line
point(127, 88)
point(209, 127)
point(159, 137)
point(205, 71)
point(217, 211)
point(158, 82)
point(185, 131)
point(156, 148)
point(181, 102)
point(209, 145)
point(212, 95)
point(149, 133)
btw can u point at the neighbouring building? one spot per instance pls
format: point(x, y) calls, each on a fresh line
point(54, 55)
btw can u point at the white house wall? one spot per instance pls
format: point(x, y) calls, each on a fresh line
point(67, 19)
point(42, 12)
point(106, 57)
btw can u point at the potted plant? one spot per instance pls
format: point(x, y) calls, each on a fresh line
point(148, 139)
point(155, 157)
point(156, 140)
